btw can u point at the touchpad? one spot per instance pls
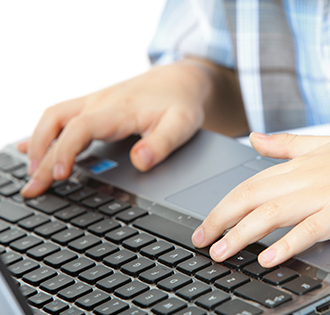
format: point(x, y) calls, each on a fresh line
point(203, 197)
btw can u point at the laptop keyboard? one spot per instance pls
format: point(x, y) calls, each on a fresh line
point(77, 250)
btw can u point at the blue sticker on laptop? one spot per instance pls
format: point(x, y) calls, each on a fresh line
point(102, 166)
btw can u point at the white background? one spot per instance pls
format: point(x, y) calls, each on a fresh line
point(51, 51)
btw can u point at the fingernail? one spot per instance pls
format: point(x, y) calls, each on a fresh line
point(219, 248)
point(145, 156)
point(261, 135)
point(32, 166)
point(268, 255)
point(32, 185)
point(58, 171)
point(198, 236)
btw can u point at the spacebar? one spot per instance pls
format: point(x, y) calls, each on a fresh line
point(169, 230)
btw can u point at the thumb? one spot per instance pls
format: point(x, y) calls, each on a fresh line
point(285, 145)
point(172, 130)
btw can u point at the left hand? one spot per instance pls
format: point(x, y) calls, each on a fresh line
point(296, 192)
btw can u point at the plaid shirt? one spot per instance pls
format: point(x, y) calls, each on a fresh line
point(270, 43)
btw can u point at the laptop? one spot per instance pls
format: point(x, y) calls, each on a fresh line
point(112, 240)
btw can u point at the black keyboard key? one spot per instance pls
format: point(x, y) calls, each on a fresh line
point(114, 207)
point(91, 300)
point(155, 274)
point(43, 250)
point(66, 236)
point(25, 243)
point(12, 212)
point(212, 273)
point(134, 311)
point(131, 290)
point(97, 200)
point(47, 203)
point(20, 173)
point(3, 226)
point(69, 213)
point(86, 219)
point(117, 259)
point(156, 249)
point(169, 230)
point(263, 294)
point(235, 307)
point(232, 281)
point(255, 270)
point(240, 260)
point(194, 264)
point(174, 282)
point(135, 267)
point(174, 257)
point(60, 258)
point(67, 188)
point(56, 284)
point(150, 298)
point(118, 235)
point(131, 214)
point(113, 282)
point(10, 189)
point(112, 307)
point(73, 311)
point(18, 198)
point(10, 236)
point(193, 310)
point(4, 181)
point(83, 193)
point(37, 276)
point(11, 165)
point(280, 276)
point(74, 292)
point(103, 227)
point(95, 274)
point(10, 258)
point(100, 251)
point(136, 242)
point(40, 299)
point(27, 291)
point(302, 285)
point(50, 228)
point(169, 306)
point(33, 221)
point(193, 290)
point(77, 266)
point(83, 243)
point(56, 307)
point(22, 267)
point(213, 299)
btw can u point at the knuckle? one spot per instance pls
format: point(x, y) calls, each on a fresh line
point(234, 235)
point(270, 210)
point(245, 192)
point(285, 245)
point(310, 228)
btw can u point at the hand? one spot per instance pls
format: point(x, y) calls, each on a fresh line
point(164, 106)
point(292, 193)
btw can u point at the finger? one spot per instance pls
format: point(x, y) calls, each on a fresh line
point(23, 146)
point(48, 128)
point(243, 199)
point(285, 145)
point(277, 213)
point(59, 160)
point(173, 129)
point(313, 229)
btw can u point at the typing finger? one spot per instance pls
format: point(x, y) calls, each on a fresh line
point(313, 229)
point(48, 129)
point(280, 212)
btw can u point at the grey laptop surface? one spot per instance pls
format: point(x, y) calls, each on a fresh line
point(112, 240)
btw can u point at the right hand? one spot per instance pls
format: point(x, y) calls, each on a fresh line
point(164, 106)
